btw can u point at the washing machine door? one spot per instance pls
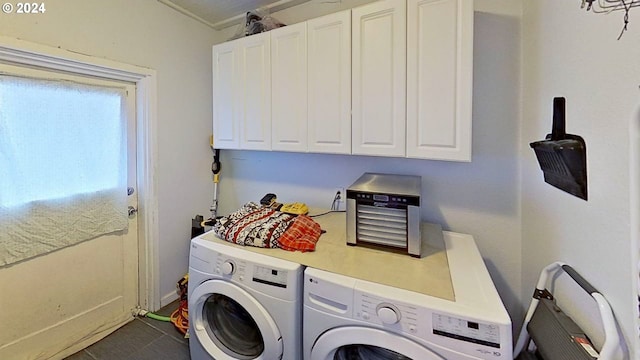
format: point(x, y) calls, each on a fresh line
point(230, 324)
point(360, 343)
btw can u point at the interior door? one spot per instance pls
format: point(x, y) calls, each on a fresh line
point(57, 303)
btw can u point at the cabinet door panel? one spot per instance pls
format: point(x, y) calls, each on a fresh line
point(329, 76)
point(255, 96)
point(379, 78)
point(289, 88)
point(226, 134)
point(439, 53)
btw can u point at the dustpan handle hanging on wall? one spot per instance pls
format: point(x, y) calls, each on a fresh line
point(558, 132)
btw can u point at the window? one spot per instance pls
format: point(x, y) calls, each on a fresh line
point(58, 139)
point(63, 160)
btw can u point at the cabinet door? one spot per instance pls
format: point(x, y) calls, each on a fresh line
point(254, 97)
point(439, 88)
point(379, 78)
point(289, 88)
point(329, 76)
point(226, 128)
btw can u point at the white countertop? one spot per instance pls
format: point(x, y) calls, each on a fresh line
point(428, 274)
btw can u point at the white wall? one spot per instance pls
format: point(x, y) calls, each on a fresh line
point(569, 52)
point(149, 34)
point(479, 198)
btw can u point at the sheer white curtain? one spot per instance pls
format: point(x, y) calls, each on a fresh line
point(63, 172)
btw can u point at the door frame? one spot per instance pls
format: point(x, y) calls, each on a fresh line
point(24, 53)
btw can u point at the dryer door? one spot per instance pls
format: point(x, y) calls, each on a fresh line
point(360, 343)
point(230, 324)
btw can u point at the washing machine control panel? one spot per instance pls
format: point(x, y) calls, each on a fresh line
point(227, 267)
point(270, 276)
point(242, 271)
point(398, 316)
point(230, 267)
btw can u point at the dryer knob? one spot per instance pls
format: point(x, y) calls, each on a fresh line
point(227, 268)
point(388, 315)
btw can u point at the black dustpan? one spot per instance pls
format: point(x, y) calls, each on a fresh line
point(562, 156)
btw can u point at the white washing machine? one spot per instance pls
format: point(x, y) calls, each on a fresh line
point(346, 318)
point(243, 305)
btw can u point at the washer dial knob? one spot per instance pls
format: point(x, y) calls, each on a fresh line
point(227, 268)
point(388, 315)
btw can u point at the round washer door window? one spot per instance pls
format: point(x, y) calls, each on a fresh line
point(368, 352)
point(230, 324)
point(231, 327)
point(361, 343)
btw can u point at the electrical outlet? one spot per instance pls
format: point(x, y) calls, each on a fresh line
point(339, 197)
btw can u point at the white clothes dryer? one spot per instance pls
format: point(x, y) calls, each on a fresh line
point(243, 305)
point(347, 318)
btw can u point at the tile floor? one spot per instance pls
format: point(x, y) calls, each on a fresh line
point(143, 338)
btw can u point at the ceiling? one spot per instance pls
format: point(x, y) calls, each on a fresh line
point(219, 14)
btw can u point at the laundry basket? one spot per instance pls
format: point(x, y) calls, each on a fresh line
point(555, 336)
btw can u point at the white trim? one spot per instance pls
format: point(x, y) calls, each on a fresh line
point(234, 20)
point(269, 8)
point(169, 298)
point(26, 53)
point(186, 12)
point(634, 196)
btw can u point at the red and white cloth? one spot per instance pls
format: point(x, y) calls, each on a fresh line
point(256, 225)
point(302, 235)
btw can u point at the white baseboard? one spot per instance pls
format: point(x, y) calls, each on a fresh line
point(168, 299)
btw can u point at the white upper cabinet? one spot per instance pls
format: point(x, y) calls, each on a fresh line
point(329, 83)
point(255, 92)
point(289, 88)
point(389, 78)
point(226, 121)
point(439, 85)
point(242, 94)
point(379, 78)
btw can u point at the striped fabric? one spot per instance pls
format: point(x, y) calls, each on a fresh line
point(253, 225)
point(256, 225)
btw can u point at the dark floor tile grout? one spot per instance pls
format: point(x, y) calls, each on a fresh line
point(150, 324)
point(154, 336)
point(90, 354)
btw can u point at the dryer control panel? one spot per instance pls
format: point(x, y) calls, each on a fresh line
point(395, 315)
point(465, 330)
point(466, 335)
